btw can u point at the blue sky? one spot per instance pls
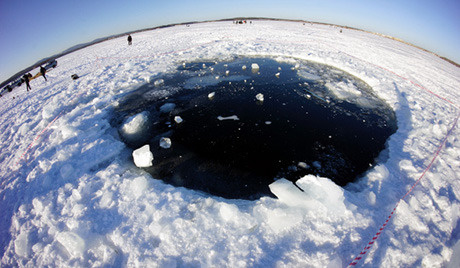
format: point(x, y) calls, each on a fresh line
point(32, 30)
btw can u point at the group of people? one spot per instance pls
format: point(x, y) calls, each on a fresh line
point(27, 77)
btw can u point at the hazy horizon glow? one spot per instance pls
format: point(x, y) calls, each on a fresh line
point(33, 30)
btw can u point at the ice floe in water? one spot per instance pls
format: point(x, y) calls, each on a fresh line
point(143, 156)
point(135, 129)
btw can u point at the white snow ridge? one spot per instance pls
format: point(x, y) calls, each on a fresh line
point(70, 195)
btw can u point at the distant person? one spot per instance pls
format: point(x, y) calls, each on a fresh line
point(130, 40)
point(26, 78)
point(43, 72)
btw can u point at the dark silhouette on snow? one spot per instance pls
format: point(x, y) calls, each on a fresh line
point(130, 40)
point(26, 78)
point(43, 72)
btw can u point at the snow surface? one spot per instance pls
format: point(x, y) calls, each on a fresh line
point(70, 194)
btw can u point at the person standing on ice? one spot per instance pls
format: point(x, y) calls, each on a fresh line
point(130, 40)
point(43, 71)
point(26, 79)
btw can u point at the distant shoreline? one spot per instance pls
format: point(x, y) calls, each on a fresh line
point(100, 40)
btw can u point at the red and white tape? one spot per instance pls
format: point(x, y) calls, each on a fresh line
point(379, 232)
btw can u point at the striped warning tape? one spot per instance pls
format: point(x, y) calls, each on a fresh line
point(376, 236)
point(38, 136)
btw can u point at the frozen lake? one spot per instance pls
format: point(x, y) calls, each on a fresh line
point(71, 195)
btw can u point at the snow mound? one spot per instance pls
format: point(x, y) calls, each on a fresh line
point(72, 243)
point(143, 157)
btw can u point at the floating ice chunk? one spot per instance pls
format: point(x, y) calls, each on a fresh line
point(135, 124)
point(303, 165)
point(344, 90)
point(290, 195)
point(165, 143)
point(178, 119)
point(159, 82)
point(244, 67)
point(143, 157)
point(308, 76)
point(211, 80)
point(255, 67)
point(268, 122)
point(167, 107)
point(72, 242)
point(277, 75)
point(317, 164)
point(211, 95)
point(233, 117)
point(260, 97)
point(227, 72)
point(325, 191)
point(204, 65)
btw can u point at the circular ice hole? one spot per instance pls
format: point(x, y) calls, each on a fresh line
point(236, 137)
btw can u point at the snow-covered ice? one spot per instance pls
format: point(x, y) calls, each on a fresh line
point(70, 195)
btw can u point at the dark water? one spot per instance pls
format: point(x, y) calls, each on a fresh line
point(301, 127)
